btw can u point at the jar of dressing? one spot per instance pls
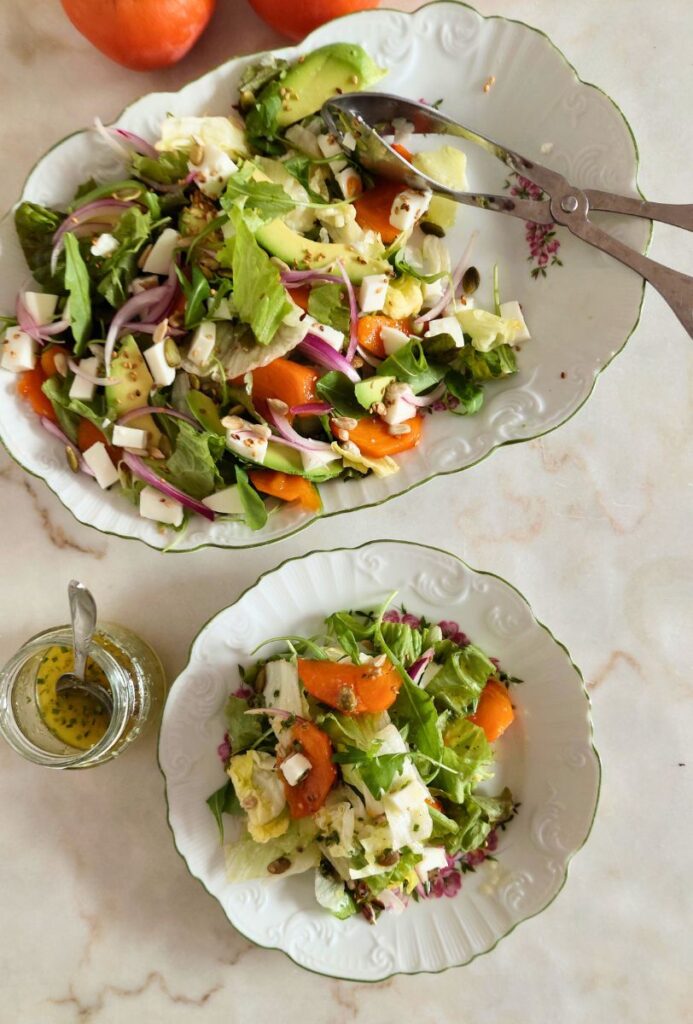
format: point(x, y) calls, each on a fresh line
point(73, 729)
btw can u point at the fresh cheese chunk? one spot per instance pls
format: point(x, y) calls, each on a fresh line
point(40, 306)
point(393, 339)
point(329, 147)
point(246, 438)
point(159, 507)
point(512, 311)
point(162, 373)
point(84, 389)
point(99, 462)
point(446, 325)
point(202, 345)
point(433, 857)
point(215, 170)
point(349, 181)
point(160, 257)
point(302, 139)
point(19, 351)
point(408, 207)
point(397, 408)
point(226, 502)
point(282, 688)
point(104, 245)
point(295, 768)
point(372, 292)
point(317, 459)
point(130, 437)
point(333, 337)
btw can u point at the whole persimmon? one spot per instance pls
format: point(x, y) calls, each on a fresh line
point(296, 20)
point(141, 34)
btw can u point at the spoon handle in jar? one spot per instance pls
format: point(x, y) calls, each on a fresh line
point(83, 615)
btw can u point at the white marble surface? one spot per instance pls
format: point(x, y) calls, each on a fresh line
point(99, 920)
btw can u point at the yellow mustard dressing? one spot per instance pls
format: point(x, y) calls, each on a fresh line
point(75, 718)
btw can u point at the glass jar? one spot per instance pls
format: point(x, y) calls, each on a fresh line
point(122, 660)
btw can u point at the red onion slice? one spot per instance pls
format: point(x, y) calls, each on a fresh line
point(422, 401)
point(138, 304)
point(277, 416)
point(311, 409)
point(140, 469)
point(452, 285)
point(79, 372)
point(295, 278)
point(159, 410)
point(353, 313)
point(110, 209)
point(123, 141)
point(368, 357)
point(421, 664)
point(320, 352)
point(55, 430)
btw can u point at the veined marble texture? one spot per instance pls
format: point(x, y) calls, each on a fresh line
point(99, 920)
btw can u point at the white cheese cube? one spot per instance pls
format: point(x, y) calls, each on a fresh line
point(459, 306)
point(18, 351)
point(159, 507)
point(202, 345)
point(130, 437)
point(433, 857)
point(432, 292)
point(295, 768)
point(226, 502)
point(214, 171)
point(329, 147)
point(302, 139)
point(246, 438)
point(408, 207)
point(372, 292)
point(349, 182)
point(223, 310)
point(333, 337)
point(160, 257)
point(162, 373)
point(317, 459)
point(81, 388)
point(446, 325)
point(40, 306)
point(393, 339)
point(512, 311)
point(104, 244)
point(397, 408)
point(99, 462)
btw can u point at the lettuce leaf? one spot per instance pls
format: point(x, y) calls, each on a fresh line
point(243, 729)
point(331, 894)
point(327, 304)
point(167, 169)
point(254, 508)
point(409, 365)
point(246, 859)
point(404, 642)
point(258, 294)
point(475, 819)
point(336, 388)
point(35, 226)
point(469, 393)
point(266, 200)
point(460, 680)
point(116, 272)
point(499, 362)
point(401, 872)
point(377, 770)
point(78, 285)
point(466, 757)
point(192, 466)
point(223, 801)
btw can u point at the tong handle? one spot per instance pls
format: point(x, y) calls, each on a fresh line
point(679, 215)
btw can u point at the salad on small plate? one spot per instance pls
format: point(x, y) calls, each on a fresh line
point(245, 314)
point(364, 755)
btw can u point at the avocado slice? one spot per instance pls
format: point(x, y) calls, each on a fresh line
point(205, 412)
point(370, 391)
point(447, 165)
point(132, 387)
point(288, 460)
point(304, 254)
point(309, 82)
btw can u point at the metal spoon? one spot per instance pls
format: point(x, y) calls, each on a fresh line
point(83, 616)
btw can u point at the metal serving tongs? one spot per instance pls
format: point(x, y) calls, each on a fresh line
point(367, 116)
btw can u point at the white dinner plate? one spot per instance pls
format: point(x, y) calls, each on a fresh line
point(581, 305)
point(547, 758)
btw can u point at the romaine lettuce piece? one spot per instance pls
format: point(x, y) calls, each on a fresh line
point(260, 793)
point(289, 854)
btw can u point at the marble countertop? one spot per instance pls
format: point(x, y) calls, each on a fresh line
point(99, 920)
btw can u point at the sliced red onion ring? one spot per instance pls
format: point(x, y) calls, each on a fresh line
point(55, 430)
point(123, 141)
point(141, 469)
point(159, 186)
point(353, 313)
point(295, 278)
point(311, 409)
point(368, 357)
point(144, 301)
point(452, 285)
point(275, 712)
point(163, 307)
point(319, 351)
point(159, 410)
point(421, 401)
point(79, 372)
point(277, 417)
point(57, 327)
point(110, 209)
point(421, 664)
point(143, 328)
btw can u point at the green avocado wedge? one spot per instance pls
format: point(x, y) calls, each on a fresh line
point(303, 254)
point(287, 460)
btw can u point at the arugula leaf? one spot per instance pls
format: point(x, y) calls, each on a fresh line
point(196, 292)
point(327, 304)
point(243, 730)
point(265, 199)
point(58, 393)
point(77, 284)
point(409, 365)
point(460, 680)
point(376, 770)
point(256, 76)
point(168, 168)
point(254, 507)
point(346, 638)
point(414, 707)
point(300, 167)
point(192, 466)
point(475, 819)
point(499, 362)
point(116, 272)
point(35, 226)
point(262, 122)
point(469, 393)
point(336, 388)
point(223, 801)
point(258, 293)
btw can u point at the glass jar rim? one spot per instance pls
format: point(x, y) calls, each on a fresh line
point(122, 692)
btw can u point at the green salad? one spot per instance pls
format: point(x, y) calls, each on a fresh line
point(364, 755)
point(246, 314)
